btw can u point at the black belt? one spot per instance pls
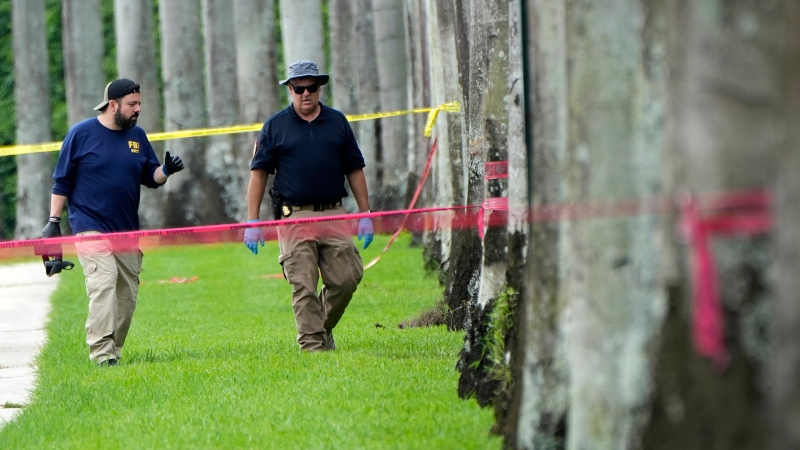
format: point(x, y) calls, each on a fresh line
point(317, 206)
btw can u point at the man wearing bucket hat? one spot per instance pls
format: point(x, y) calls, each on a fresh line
point(311, 149)
point(103, 162)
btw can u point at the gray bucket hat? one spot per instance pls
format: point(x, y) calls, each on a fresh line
point(305, 68)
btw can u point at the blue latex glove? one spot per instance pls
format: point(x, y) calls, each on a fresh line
point(366, 231)
point(252, 237)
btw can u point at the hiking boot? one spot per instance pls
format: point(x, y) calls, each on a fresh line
point(329, 343)
point(109, 362)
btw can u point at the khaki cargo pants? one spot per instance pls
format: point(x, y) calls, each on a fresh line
point(112, 272)
point(309, 251)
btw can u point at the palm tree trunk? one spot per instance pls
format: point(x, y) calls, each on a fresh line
point(136, 60)
point(83, 57)
point(392, 65)
point(257, 72)
point(192, 199)
point(225, 158)
point(541, 371)
point(301, 32)
point(32, 96)
point(368, 99)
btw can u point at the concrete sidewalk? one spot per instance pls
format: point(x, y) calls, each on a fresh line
point(24, 306)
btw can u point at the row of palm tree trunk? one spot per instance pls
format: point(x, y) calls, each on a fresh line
point(579, 310)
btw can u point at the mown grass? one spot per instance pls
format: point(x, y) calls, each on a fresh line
point(214, 364)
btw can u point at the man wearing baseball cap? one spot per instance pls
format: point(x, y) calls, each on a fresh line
point(103, 162)
point(311, 149)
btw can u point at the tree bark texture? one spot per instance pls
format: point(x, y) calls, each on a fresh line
point(192, 198)
point(257, 71)
point(732, 77)
point(517, 216)
point(301, 31)
point(256, 60)
point(227, 160)
point(392, 66)
point(344, 68)
point(616, 303)
point(136, 60)
point(784, 357)
point(368, 131)
point(784, 392)
point(446, 132)
point(541, 373)
point(83, 57)
point(487, 119)
point(463, 270)
point(343, 59)
point(456, 252)
point(419, 95)
point(32, 98)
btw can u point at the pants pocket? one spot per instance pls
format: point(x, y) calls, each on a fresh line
point(90, 274)
point(284, 260)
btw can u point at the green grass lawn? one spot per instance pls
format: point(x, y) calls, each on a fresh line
point(214, 364)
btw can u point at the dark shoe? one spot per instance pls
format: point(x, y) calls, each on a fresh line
point(109, 362)
point(329, 343)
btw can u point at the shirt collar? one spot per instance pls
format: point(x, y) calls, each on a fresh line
point(320, 116)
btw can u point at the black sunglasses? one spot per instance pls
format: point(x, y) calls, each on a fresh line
point(300, 89)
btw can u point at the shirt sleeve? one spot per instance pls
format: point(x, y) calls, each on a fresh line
point(264, 153)
point(151, 164)
point(64, 173)
point(352, 158)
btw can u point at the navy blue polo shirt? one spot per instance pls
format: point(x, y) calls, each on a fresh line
point(101, 171)
point(309, 159)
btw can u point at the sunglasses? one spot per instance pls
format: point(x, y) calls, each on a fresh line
point(300, 89)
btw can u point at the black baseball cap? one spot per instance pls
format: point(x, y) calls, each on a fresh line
point(117, 89)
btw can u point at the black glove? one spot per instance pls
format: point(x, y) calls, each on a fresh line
point(172, 164)
point(51, 254)
point(52, 229)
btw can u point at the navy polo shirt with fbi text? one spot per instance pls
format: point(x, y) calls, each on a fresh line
point(309, 159)
point(101, 171)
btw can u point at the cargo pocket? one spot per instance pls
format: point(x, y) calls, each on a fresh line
point(90, 273)
point(285, 260)
point(349, 257)
point(357, 264)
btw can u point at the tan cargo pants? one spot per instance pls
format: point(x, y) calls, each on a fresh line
point(112, 284)
point(309, 251)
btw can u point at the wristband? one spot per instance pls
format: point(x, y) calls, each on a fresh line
point(252, 220)
point(164, 169)
point(54, 219)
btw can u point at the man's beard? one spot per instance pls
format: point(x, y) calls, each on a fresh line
point(124, 123)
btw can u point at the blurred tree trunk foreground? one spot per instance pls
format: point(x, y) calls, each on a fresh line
point(627, 99)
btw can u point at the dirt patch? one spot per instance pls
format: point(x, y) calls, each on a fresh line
point(429, 318)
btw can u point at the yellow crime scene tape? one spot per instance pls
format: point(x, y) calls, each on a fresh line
point(433, 113)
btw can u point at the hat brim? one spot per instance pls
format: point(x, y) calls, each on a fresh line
point(323, 79)
point(100, 106)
